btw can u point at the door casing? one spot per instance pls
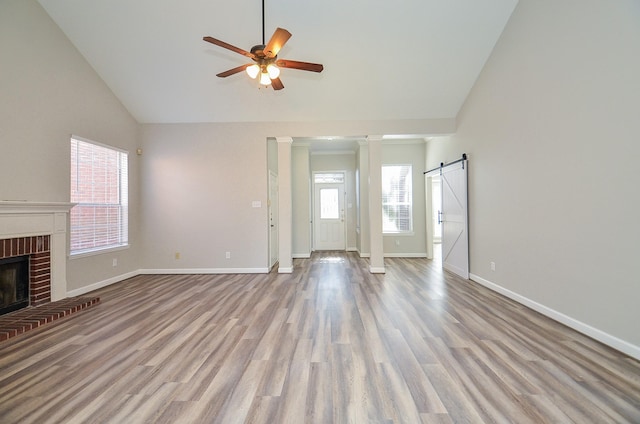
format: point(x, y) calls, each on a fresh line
point(329, 234)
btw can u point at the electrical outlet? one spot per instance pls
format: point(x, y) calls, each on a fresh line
point(397, 242)
point(493, 266)
point(115, 261)
point(177, 255)
point(228, 255)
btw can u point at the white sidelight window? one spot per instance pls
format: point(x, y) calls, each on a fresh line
point(396, 199)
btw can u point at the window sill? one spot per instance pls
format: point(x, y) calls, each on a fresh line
point(403, 234)
point(96, 252)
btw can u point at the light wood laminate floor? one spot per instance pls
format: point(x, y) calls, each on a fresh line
point(330, 343)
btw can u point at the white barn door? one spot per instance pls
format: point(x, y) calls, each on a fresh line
point(455, 235)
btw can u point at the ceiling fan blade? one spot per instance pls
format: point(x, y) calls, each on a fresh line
point(229, 47)
point(303, 66)
point(277, 84)
point(278, 39)
point(233, 71)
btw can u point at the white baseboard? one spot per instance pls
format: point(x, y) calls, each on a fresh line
point(301, 255)
point(174, 271)
point(377, 269)
point(599, 335)
point(285, 270)
point(352, 249)
point(405, 255)
point(101, 284)
point(363, 255)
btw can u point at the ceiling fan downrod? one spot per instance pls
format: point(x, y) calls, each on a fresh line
point(263, 43)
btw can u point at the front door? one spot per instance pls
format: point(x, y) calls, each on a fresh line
point(329, 226)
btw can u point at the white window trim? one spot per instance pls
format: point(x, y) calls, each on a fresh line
point(410, 232)
point(95, 252)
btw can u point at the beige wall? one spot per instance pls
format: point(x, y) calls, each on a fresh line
point(200, 183)
point(551, 128)
point(48, 92)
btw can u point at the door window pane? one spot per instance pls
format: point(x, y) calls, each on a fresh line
point(329, 178)
point(329, 205)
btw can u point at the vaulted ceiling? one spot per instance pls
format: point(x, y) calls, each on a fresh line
point(383, 60)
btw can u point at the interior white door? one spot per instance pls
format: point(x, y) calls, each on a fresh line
point(329, 227)
point(455, 236)
point(273, 219)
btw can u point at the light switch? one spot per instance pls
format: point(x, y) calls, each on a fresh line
point(256, 204)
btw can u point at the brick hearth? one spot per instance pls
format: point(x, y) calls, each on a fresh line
point(18, 322)
point(41, 310)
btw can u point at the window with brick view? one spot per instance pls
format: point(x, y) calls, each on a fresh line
point(99, 186)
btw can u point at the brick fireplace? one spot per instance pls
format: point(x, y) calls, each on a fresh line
point(37, 230)
point(36, 248)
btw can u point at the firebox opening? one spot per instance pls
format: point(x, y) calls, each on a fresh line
point(14, 284)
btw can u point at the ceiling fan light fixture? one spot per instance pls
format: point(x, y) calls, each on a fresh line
point(273, 71)
point(253, 71)
point(264, 78)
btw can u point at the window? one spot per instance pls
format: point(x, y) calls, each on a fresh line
point(337, 177)
point(99, 186)
point(396, 199)
point(329, 203)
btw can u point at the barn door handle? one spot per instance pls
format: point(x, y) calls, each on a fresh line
point(439, 217)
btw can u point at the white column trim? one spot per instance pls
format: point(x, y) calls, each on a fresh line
point(285, 208)
point(376, 261)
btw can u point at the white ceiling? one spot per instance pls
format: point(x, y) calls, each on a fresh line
point(383, 60)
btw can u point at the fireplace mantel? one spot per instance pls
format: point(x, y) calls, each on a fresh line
point(26, 219)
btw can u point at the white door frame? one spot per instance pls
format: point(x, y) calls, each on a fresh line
point(272, 204)
point(428, 192)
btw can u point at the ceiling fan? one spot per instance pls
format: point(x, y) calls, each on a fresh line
point(265, 58)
